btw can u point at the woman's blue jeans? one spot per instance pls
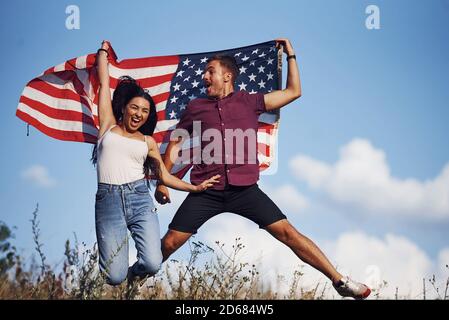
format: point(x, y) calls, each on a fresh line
point(117, 209)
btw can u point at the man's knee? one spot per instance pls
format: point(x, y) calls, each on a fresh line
point(174, 239)
point(171, 243)
point(283, 231)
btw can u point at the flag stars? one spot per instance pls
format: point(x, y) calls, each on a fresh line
point(186, 62)
point(172, 114)
point(199, 72)
point(242, 86)
point(256, 74)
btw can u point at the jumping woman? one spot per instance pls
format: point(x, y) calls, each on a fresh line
point(125, 156)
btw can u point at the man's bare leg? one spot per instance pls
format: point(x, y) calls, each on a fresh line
point(303, 247)
point(172, 241)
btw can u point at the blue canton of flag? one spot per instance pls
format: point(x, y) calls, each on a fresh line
point(258, 72)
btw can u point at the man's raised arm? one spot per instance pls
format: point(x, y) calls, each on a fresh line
point(279, 98)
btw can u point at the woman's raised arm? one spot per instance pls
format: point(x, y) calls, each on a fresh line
point(105, 114)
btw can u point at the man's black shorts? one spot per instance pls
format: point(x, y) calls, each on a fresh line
point(247, 201)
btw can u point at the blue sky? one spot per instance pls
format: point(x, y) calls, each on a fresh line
point(386, 87)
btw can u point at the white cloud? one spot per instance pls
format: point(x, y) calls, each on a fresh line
point(394, 259)
point(38, 175)
point(362, 178)
point(286, 197)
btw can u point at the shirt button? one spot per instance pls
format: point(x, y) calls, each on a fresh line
point(222, 124)
point(227, 170)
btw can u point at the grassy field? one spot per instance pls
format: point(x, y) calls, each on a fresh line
point(210, 273)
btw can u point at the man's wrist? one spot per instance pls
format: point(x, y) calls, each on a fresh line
point(291, 56)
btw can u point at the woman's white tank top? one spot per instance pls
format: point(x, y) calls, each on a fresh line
point(120, 159)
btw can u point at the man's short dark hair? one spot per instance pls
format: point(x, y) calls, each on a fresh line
point(227, 62)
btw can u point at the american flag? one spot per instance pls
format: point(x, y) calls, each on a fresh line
point(62, 102)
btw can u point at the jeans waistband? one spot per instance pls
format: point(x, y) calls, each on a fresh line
point(129, 185)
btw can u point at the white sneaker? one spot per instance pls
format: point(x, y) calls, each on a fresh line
point(347, 287)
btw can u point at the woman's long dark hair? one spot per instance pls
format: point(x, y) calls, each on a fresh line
point(127, 89)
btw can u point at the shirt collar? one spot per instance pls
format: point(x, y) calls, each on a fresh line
point(225, 97)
